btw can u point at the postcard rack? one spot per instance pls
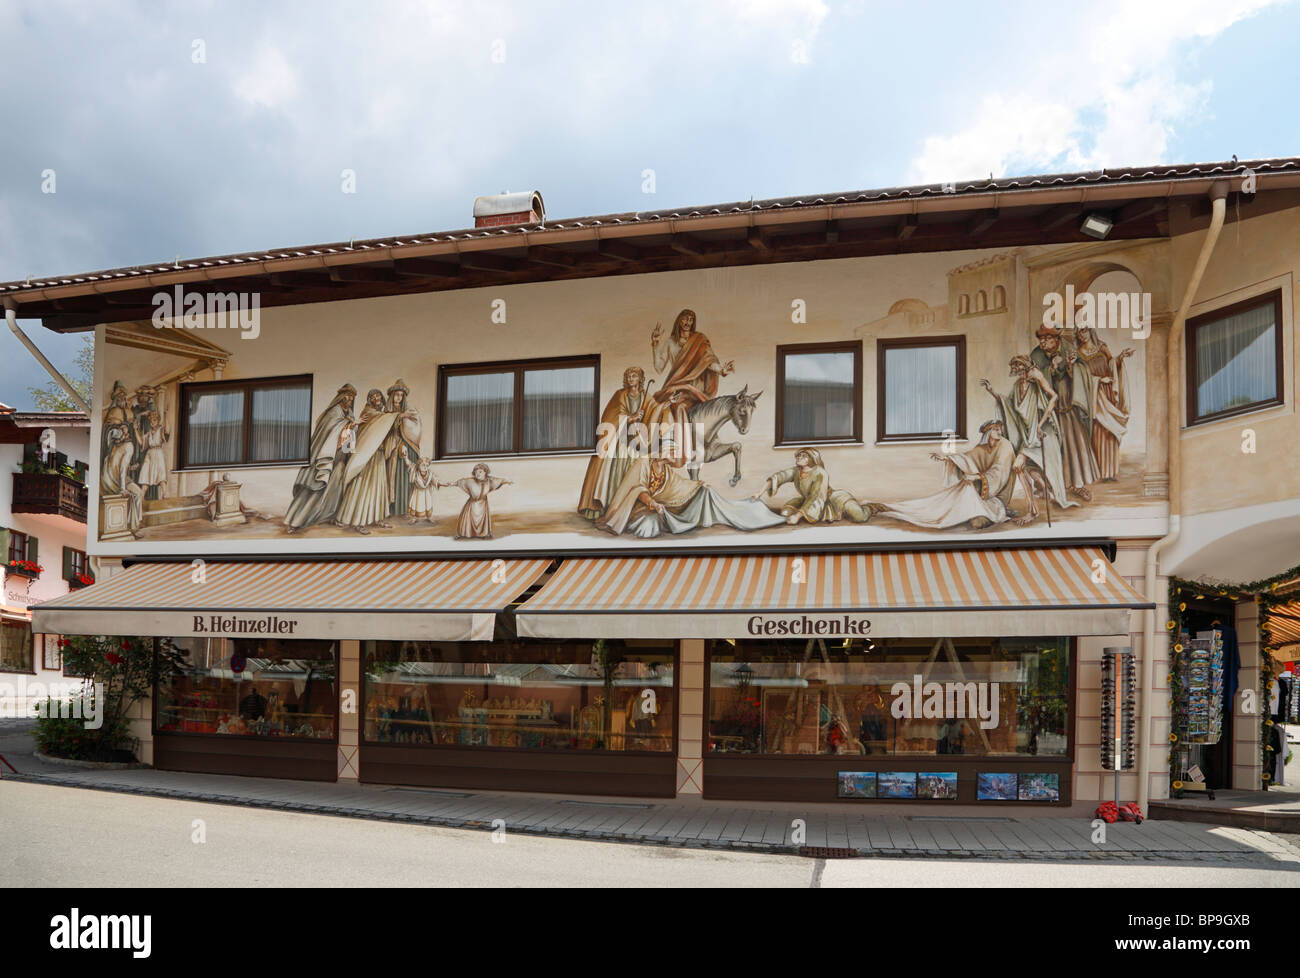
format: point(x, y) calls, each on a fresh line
point(1198, 709)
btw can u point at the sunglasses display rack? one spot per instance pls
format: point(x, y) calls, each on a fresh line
point(1118, 709)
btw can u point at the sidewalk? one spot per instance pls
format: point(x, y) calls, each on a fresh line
point(830, 831)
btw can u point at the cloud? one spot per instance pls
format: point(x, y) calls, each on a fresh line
point(1111, 92)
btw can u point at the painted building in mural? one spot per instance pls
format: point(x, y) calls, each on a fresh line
point(796, 501)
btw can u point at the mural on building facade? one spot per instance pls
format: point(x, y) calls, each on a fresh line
point(1052, 431)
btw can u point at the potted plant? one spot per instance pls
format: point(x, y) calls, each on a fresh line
point(81, 580)
point(24, 568)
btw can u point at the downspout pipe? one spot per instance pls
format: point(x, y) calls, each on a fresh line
point(1218, 203)
point(11, 317)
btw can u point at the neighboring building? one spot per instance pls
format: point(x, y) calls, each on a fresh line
point(43, 465)
point(389, 515)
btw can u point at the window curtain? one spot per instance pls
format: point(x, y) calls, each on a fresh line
point(214, 432)
point(558, 408)
point(920, 390)
point(281, 423)
point(818, 396)
point(479, 417)
point(1235, 361)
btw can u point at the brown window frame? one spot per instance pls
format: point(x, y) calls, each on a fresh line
point(14, 536)
point(31, 646)
point(78, 563)
point(519, 368)
point(1273, 298)
point(797, 349)
point(882, 348)
point(247, 386)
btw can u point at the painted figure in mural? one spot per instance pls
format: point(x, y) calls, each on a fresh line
point(708, 419)
point(401, 447)
point(366, 493)
point(424, 485)
point(816, 501)
point(153, 470)
point(615, 442)
point(693, 371)
point(117, 415)
point(1029, 421)
point(978, 486)
point(475, 516)
point(1109, 400)
point(118, 477)
point(319, 487)
point(655, 498)
point(1069, 378)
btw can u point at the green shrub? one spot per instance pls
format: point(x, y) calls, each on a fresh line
point(61, 733)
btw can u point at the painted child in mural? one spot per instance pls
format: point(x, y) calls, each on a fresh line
point(475, 516)
point(693, 371)
point(318, 489)
point(424, 485)
point(367, 496)
point(1069, 378)
point(1029, 420)
point(401, 447)
point(619, 422)
point(1109, 400)
point(978, 486)
point(816, 501)
point(153, 469)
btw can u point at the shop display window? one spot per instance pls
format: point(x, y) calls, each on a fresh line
point(523, 694)
point(252, 688)
point(973, 697)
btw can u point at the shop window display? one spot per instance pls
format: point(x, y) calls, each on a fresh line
point(252, 687)
point(863, 697)
point(607, 695)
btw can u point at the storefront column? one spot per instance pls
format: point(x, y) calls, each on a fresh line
point(140, 726)
point(1246, 763)
point(1091, 782)
point(349, 709)
point(690, 719)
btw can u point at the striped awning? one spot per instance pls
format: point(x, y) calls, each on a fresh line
point(1283, 626)
point(972, 593)
point(447, 600)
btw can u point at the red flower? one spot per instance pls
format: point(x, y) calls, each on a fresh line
point(114, 658)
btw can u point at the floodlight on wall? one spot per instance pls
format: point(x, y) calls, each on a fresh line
point(1097, 225)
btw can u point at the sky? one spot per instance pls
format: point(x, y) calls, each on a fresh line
point(193, 129)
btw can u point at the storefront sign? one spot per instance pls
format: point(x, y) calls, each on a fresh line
point(229, 625)
point(830, 625)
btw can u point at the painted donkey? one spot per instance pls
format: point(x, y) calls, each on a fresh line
point(708, 417)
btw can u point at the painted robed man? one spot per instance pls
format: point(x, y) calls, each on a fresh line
point(978, 485)
point(693, 372)
point(318, 489)
point(401, 447)
point(614, 441)
point(367, 495)
point(1068, 376)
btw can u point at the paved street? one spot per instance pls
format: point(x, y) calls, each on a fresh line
point(74, 837)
